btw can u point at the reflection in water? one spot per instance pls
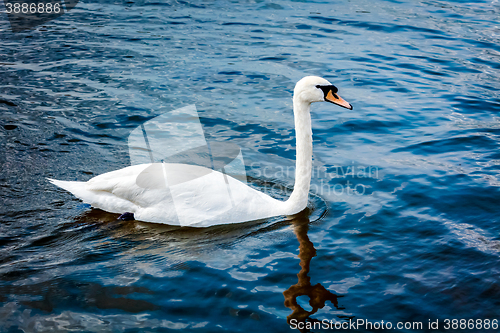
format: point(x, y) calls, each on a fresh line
point(317, 294)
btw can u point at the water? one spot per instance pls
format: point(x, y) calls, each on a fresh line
point(417, 241)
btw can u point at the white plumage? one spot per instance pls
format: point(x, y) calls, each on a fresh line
point(203, 201)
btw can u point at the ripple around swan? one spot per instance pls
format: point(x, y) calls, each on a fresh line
point(418, 240)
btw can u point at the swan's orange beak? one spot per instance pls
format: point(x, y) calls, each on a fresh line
point(336, 99)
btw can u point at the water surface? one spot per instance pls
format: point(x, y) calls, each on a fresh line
point(417, 241)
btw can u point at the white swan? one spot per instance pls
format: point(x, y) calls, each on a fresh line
point(202, 201)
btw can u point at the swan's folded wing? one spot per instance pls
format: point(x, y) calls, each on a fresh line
point(110, 181)
point(123, 185)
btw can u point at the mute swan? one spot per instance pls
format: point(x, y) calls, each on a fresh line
point(201, 202)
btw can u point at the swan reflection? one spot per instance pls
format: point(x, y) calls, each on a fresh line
point(318, 295)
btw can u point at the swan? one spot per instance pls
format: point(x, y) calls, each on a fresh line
point(202, 201)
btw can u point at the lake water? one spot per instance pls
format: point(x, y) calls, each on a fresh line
point(403, 224)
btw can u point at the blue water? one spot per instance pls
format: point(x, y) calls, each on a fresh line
point(416, 240)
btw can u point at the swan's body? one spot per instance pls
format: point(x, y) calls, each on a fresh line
point(203, 201)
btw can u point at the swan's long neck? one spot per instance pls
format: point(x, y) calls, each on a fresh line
point(303, 132)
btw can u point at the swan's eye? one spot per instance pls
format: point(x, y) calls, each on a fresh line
point(328, 89)
point(325, 89)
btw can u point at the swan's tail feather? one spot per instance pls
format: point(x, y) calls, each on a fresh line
point(76, 188)
point(97, 199)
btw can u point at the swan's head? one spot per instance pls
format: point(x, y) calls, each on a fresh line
point(312, 89)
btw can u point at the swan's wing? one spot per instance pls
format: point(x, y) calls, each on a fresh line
point(122, 190)
point(164, 193)
point(116, 191)
point(98, 197)
point(114, 180)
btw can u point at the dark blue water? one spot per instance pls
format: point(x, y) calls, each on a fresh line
point(403, 224)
